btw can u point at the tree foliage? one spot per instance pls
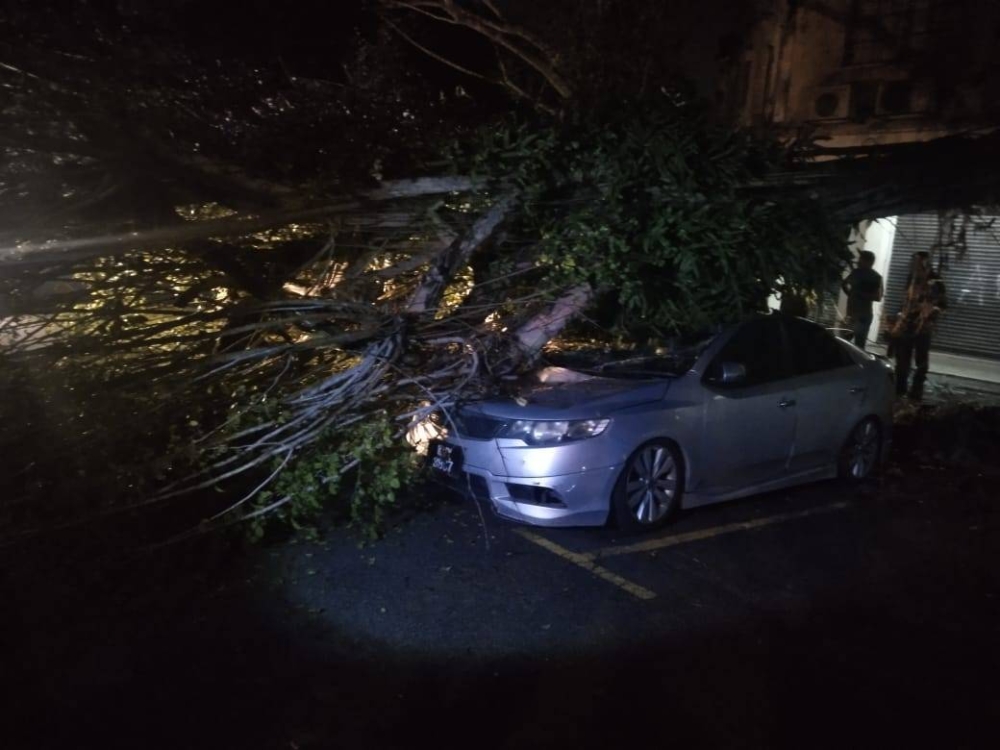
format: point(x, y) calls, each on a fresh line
point(654, 208)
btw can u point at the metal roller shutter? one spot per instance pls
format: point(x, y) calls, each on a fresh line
point(971, 324)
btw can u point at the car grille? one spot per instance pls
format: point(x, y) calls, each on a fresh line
point(523, 493)
point(477, 426)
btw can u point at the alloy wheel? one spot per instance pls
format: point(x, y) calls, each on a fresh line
point(650, 484)
point(862, 450)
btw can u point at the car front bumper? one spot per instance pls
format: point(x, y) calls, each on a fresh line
point(548, 495)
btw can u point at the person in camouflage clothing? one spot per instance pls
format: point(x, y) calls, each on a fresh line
point(925, 298)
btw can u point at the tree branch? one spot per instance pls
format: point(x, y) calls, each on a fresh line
point(440, 58)
point(56, 251)
point(500, 34)
point(428, 294)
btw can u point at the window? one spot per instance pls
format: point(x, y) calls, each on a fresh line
point(814, 349)
point(882, 31)
point(759, 347)
point(863, 95)
point(896, 97)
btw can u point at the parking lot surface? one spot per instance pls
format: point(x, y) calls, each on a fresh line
point(816, 617)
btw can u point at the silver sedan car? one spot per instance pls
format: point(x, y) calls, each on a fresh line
point(772, 402)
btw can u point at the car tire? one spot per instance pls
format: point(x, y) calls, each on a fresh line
point(648, 491)
point(859, 457)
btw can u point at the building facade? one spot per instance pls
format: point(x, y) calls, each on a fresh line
point(857, 73)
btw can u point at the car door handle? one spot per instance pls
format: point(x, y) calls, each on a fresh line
point(786, 402)
point(858, 389)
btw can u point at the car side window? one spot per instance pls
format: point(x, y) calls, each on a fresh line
point(814, 349)
point(759, 347)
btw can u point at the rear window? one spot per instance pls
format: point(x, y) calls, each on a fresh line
point(814, 349)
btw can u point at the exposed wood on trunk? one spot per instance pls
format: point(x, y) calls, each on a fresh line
point(428, 294)
point(54, 251)
point(421, 186)
point(537, 332)
point(427, 255)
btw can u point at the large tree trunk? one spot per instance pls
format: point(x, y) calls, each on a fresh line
point(532, 337)
point(428, 295)
point(42, 251)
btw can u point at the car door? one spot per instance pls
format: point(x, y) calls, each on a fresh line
point(831, 390)
point(749, 425)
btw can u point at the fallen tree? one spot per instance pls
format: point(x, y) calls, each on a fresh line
point(636, 227)
point(411, 300)
point(237, 335)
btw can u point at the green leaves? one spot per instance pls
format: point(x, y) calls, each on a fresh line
point(360, 469)
point(654, 205)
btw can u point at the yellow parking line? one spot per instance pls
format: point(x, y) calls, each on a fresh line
point(587, 563)
point(694, 536)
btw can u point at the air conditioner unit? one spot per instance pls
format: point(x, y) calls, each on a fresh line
point(831, 103)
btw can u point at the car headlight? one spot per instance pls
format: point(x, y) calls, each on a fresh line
point(541, 432)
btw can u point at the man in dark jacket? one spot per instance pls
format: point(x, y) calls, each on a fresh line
point(863, 287)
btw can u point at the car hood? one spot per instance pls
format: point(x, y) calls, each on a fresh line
point(587, 399)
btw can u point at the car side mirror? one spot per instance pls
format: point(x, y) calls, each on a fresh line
point(732, 373)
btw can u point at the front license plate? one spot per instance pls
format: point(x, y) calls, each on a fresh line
point(446, 458)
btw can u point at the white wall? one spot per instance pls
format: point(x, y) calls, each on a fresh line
point(876, 236)
point(879, 239)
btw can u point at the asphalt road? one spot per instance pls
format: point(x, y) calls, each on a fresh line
point(826, 616)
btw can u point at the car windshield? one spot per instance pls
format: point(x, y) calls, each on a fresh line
point(668, 361)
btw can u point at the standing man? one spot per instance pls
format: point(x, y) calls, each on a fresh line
point(863, 287)
point(911, 334)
